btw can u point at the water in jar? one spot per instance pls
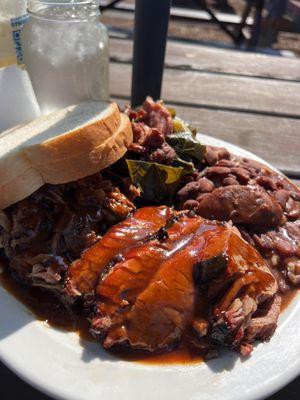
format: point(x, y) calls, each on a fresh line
point(66, 55)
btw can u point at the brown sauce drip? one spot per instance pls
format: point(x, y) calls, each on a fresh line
point(183, 354)
point(48, 309)
point(287, 298)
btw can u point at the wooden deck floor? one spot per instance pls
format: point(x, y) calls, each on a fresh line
point(249, 99)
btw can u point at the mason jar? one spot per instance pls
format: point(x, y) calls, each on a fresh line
point(65, 50)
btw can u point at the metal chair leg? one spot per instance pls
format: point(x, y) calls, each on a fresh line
point(240, 36)
point(221, 24)
point(256, 28)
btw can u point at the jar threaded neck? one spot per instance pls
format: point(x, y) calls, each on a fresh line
point(76, 10)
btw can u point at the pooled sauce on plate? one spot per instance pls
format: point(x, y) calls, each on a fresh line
point(183, 354)
point(287, 298)
point(47, 309)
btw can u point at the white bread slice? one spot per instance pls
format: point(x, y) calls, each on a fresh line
point(20, 187)
point(93, 144)
point(84, 127)
point(73, 129)
point(85, 163)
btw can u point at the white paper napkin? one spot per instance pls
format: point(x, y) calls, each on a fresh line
point(18, 103)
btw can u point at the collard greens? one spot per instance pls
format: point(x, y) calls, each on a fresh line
point(157, 182)
point(186, 144)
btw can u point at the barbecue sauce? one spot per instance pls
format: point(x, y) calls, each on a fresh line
point(47, 309)
point(287, 298)
point(183, 354)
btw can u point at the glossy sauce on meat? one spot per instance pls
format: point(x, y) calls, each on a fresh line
point(83, 274)
point(127, 289)
point(45, 308)
point(145, 300)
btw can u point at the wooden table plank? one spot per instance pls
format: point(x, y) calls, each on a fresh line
point(204, 58)
point(218, 91)
point(274, 139)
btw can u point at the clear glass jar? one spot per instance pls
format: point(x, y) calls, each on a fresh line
point(66, 52)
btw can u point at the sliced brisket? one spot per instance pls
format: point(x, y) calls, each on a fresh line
point(146, 285)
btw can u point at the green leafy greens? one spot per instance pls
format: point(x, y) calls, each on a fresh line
point(157, 182)
point(186, 144)
point(184, 141)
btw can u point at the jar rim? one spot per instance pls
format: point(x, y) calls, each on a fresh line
point(64, 2)
point(39, 9)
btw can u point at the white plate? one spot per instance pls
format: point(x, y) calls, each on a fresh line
point(64, 367)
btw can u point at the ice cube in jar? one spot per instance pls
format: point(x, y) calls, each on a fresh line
point(66, 53)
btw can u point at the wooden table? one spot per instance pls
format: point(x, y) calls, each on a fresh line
point(249, 99)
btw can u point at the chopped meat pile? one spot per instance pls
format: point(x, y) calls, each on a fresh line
point(146, 285)
point(150, 125)
point(52, 227)
point(264, 205)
